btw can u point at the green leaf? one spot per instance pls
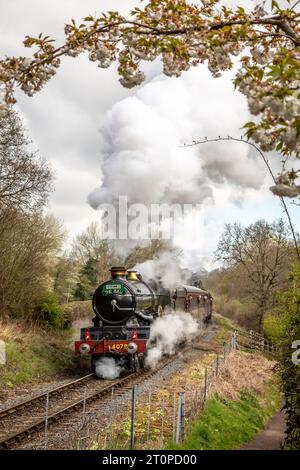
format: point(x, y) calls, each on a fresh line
point(249, 124)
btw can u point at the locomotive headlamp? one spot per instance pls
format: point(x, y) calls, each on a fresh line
point(132, 348)
point(87, 335)
point(84, 348)
point(134, 335)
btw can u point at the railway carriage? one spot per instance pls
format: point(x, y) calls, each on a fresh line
point(124, 307)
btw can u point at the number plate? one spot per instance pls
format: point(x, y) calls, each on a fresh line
point(119, 346)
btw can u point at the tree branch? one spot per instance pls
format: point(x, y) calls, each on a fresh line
point(229, 138)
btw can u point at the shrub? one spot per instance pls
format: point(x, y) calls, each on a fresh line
point(274, 327)
point(48, 312)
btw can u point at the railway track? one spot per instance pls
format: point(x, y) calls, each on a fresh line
point(21, 422)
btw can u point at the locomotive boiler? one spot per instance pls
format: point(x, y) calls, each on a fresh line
point(124, 307)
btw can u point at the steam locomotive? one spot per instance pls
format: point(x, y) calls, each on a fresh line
point(124, 307)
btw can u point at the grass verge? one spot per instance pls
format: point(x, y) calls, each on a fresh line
point(33, 354)
point(228, 424)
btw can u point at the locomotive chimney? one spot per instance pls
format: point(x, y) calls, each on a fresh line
point(118, 271)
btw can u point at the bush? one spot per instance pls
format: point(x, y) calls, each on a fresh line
point(48, 312)
point(242, 313)
point(289, 368)
point(274, 327)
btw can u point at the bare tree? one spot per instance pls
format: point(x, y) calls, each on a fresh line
point(90, 245)
point(261, 249)
point(139, 254)
point(65, 275)
point(27, 246)
point(25, 178)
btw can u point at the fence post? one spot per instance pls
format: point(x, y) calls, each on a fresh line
point(224, 351)
point(205, 385)
point(174, 416)
point(132, 417)
point(182, 415)
point(180, 418)
point(46, 420)
point(196, 399)
point(149, 416)
point(178, 421)
point(111, 416)
point(162, 420)
point(84, 407)
point(217, 365)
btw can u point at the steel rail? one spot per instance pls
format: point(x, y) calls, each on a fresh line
point(32, 401)
point(17, 437)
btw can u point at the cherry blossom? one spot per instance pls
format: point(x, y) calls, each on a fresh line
point(264, 41)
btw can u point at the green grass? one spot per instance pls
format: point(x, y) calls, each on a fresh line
point(34, 358)
point(226, 425)
point(227, 323)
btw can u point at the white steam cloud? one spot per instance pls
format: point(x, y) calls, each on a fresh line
point(108, 368)
point(167, 333)
point(142, 134)
point(164, 269)
point(143, 159)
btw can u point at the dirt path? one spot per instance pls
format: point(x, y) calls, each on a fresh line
point(271, 437)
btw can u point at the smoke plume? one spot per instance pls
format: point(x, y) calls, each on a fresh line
point(165, 270)
point(167, 333)
point(108, 368)
point(142, 134)
point(143, 158)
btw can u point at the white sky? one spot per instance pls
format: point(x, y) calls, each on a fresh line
point(64, 120)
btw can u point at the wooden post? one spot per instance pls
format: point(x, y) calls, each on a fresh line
point(182, 416)
point(177, 437)
point(149, 416)
point(162, 421)
point(84, 407)
point(111, 417)
point(174, 416)
point(132, 417)
point(46, 420)
point(205, 384)
point(217, 365)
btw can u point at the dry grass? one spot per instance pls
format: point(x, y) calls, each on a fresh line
point(13, 330)
point(33, 354)
point(244, 371)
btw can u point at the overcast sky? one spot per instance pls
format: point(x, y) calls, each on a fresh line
point(73, 119)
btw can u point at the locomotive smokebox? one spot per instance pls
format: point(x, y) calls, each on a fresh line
point(123, 296)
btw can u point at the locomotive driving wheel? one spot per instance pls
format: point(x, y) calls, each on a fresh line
point(135, 364)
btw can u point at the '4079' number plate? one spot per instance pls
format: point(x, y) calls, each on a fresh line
point(118, 346)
